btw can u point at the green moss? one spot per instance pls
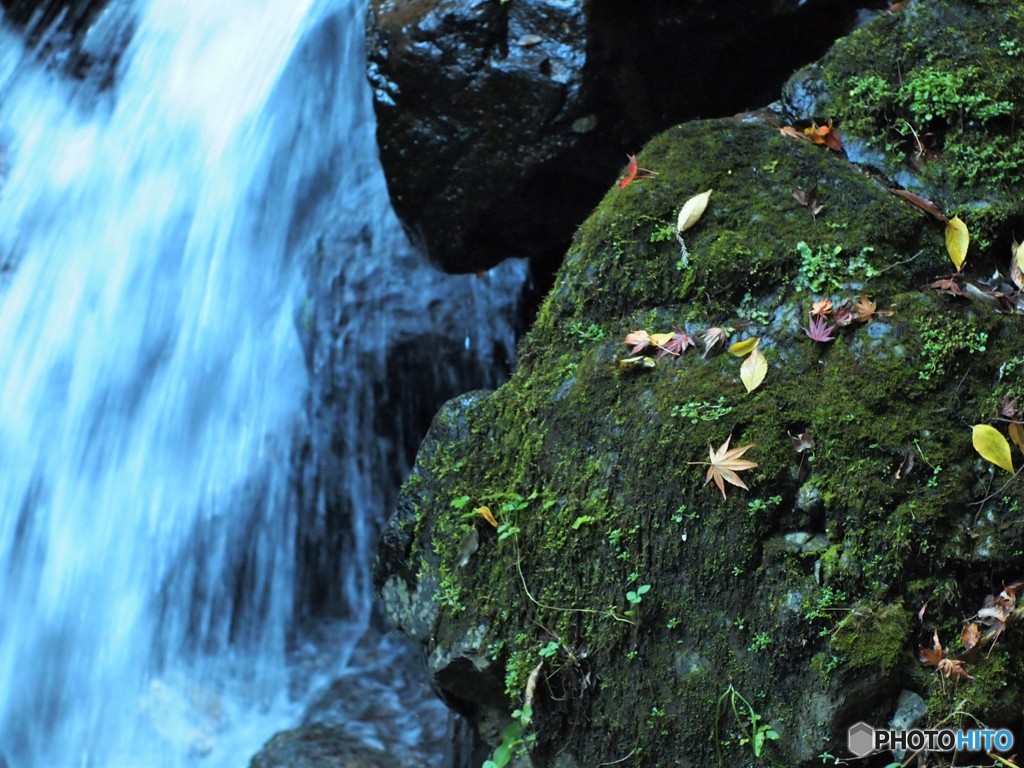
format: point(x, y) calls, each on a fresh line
point(577, 438)
point(872, 636)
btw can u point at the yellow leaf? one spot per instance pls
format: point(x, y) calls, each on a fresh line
point(485, 513)
point(641, 361)
point(992, 446)
point(745, 347)
point(692, 210)
point(753, 370)
point(1017, 264)
point(957, 239)
point(661, 339)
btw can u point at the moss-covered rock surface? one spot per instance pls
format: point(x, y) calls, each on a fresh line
point(645, 618)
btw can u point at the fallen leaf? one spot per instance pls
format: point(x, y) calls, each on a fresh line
point(725, 463)
point(821, 308)
point(1008, 407)
point(931, 657)
point(907, 466)
point(921, 613)
point(640, 361)
point(660, 339)
point(638, 340)
point(742, 348)
point(1016, 430)
point(957, 240)
point(802, 442)
point(819, 330)
point(809, 198)
point(712, 337)
point(936, 657)
point(997, 610)
point(692, 210)
point(948, 285)
point(1017, 264)
point(468, 545)
point(485, 513)
point(920, 202)
point(678, 344)
point(992, 446)
point(753, 370)
point(843, 316)
point(635, 172)
point(970, 635)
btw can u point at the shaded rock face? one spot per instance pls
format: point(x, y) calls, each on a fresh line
point(501, 124)
point(82, 39)
point(664, 614)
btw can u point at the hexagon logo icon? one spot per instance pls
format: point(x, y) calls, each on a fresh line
point(860, 739)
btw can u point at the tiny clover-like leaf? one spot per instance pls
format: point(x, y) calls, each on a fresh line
point(724, 463)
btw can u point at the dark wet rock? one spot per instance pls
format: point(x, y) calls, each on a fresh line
point(589, 470)
point(501, 124)
point(318, 746)
point(83, 39)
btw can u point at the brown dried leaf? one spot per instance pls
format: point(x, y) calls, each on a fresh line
point(1016, 432)
point(931, 657)
point(725, 462)
point(970, 635)
point(712, 337)
point(919, 202)
point(1017, 264)
point(802, 442)
point(821, 308)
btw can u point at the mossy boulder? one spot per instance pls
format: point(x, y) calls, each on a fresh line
point(646, 618)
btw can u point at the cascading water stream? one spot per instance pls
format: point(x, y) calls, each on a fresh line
point(153, 381)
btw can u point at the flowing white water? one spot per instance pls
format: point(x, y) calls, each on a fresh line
point(151, 375)
point(148, 380)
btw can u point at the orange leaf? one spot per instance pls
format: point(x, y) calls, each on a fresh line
point(485, 513)
point(970, 635)
point(1016, 431)
point(931, 657)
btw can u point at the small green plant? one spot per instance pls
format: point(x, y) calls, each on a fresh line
point(753, 730)
point(549, 650)
point(665, 233)
point(825, 271)
point(698, 411)
point(761, 641)
point(758, 506)
point(587, 334)
point(635, 597)
point(827, 600)
point(514, 740)
point(941, 342)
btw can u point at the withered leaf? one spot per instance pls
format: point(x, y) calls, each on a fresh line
point(744, 347)
point(1016, 431)
point(931, 657)
point(970, 635)
point(692, 210)
point(725, 462)
point(753, 370)
point(957, 241)
point(802, 442)
point(638, 340)
point(1017, 264)
point(639, 361)
point(676, 345)
point(1008, 407)
point(948, 285)
point(809, 198)
point(907, 466)
point(485, 513)
point(712, 337)
point(920, 202)
point(821, 308)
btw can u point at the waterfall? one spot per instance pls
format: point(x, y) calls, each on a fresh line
point(157, 333)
